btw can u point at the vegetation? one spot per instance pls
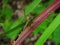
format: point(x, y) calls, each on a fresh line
point(29, 22)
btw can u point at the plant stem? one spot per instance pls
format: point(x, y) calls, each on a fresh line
point(49, 31)
point(37, 21)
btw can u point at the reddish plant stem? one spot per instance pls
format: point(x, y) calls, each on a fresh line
point(38, 20)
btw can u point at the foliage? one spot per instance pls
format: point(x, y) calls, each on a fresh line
point(49, 31)
point(49, 26)
point(55, 35)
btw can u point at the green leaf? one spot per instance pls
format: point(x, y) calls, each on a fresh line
point(32, 6)
point(20, 20)
point(8, 32)
point(44, 24)
point(49, 31)
point(6, 25)
point(38, 9)
point(56, 35)
point(48, 3)
point(28, 9)
point(7, 12)
point(14, 34)
point(5, 3)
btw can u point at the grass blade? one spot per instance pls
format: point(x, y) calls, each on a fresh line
point(49, 31)
point(27, 11)
point(38, 20)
